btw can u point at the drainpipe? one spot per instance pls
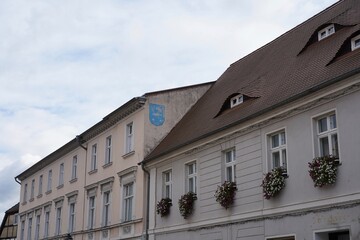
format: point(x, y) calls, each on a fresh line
point(147, 200)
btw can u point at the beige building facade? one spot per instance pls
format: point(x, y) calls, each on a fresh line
point(92, 187)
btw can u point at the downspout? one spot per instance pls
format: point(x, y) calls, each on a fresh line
point(147, 200)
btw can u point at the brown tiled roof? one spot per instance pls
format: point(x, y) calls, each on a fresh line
point(285, 69)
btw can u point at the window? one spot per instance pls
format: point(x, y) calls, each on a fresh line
point(355, 43)
point(325, 32)
point(29, 233)
point(71, 217)
point(25, 192)
point(37, 227)
point(61, 174)
point(278, 150)
point(282, 238)
point(167, 184)
point(230, 165)
point(22, 231)
point(191, 173)
point(333, 235)
point(128, 201)
point(58, 221)
point(74, 168)
point(40, 185)
point(129, 138)
point(106, 208)
point(238, 99)
point(47, 223)
point(32, 189)
point(93, 157)
point(327, 136)
point(49, 180)
point(108, 150)
point(91, 217)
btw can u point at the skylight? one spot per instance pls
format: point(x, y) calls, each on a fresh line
point(325, 32)
point(238, 99)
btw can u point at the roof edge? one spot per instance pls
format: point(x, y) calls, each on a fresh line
point(179, 88)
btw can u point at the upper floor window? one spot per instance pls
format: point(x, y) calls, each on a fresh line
point(129, 138)
point(71, 217)
point(355, 42)
point(74, 168)
point(128, 196)
point(277, 150)
point(58, 221)
point(29, 233)
point(106, 209)
point(61, 174)
point(93, 157)
point(167, 184)
point(327, 135)
point(32, 191)
point(40, 185)
point(49, 183)
point(191, 177)
point(91, 213)
point(230, 166)
point(47, 223)
point(108, 150)
point(236, 100)
point(25, 193)
point(37, 227)
point(325, 32)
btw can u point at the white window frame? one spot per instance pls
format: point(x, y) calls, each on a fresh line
point(58, 221)
point(327, 231)
point(354, 41)
point(71, 217)
point(46, 224)
point(37, 227)
point(49, 183)
point(93, 165)
point(129, 137)
point(236, 100)
point(191, 177)
point(282, 237)
point(281, 149)
point(230, 165)
point(61, 174)
point(91, 212)
point(74, 168)
point(40, 185)
point(22, 230)
point(328, 133)
point(25, 192)
point(108, 149)
point(29, 233)
point(167, 183)
point(128, 201)
point(327, 31)
point(106, 213)
point(32, 190)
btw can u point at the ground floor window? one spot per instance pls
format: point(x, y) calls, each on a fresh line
point(333, 235)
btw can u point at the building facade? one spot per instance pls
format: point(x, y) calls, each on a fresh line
point(290, 103)
point(92, 187)
point(8, 228)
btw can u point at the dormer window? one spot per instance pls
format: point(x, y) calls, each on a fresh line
point(325, 32)
point(355, 42)
point(238, 99)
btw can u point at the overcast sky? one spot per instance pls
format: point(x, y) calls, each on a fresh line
point(66, 64)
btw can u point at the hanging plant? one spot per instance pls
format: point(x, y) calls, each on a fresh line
point(273, 182)
point(225, 194)
point(323, 170)
point(163, 207)
point(186, 204)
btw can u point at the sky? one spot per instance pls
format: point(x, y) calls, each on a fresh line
point(66, 64)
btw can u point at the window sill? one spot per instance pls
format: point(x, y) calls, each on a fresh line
point(107, 165)
point(23, 203)
point(60, 186)
point(124, 223)
point(39, 196)
point(128, 154)
point(92, 171)
point(73, 180)
point(31, 199)
point(48, 192)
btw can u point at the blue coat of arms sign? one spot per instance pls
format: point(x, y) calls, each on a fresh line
point(156, 114)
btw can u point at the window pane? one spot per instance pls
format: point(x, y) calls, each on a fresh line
point(229, 156)
point(322, 125)
point(191, 185)
point(283, 156)
point(324, 146)
point(191, 168)
point(229, 175)
point(276, 159)
point(335, 146)
point(275, 141)
point(283, 139)
point(332, 121)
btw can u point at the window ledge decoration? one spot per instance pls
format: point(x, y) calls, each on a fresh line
point(163, 207)
point(225, 194)
point(186, 204)
point(273, 182)
point(323, 170)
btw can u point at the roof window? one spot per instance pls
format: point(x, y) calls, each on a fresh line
point(238, 99)
point(355, 42)
point(325, 32)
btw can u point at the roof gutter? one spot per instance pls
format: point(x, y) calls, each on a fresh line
point(286, 101)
